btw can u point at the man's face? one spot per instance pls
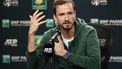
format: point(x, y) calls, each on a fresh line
point(65, 16)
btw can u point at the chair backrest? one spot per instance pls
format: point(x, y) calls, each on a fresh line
point(105, 37)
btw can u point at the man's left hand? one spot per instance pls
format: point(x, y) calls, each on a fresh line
point(59, 47)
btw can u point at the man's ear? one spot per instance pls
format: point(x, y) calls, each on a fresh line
point(55, 19)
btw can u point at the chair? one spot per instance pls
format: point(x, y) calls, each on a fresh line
point(105, 37)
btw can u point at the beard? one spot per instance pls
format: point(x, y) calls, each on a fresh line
point(66, 25)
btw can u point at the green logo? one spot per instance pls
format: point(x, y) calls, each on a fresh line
point(6, 58)
point(6, 23)
point(49, 23)
point(94, 20)
point(37, 39)
point(39, 4)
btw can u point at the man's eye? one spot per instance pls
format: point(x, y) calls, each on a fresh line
point(70, 13)
point(61, 14)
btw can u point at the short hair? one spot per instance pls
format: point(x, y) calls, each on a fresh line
point(61, 2)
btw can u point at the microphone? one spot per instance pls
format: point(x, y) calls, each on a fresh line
point(49, 47)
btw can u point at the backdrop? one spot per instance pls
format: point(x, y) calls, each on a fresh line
point(14, 24)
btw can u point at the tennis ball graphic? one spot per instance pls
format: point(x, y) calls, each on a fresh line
point(38, 2)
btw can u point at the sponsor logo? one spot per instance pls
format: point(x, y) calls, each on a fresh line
point(9, 59)
point(111, 22)
point(37, 39)
point(48, 50)
point(20, 23)
point(11, 42)
point(102, 42)
point(116, 59)
point(94, 20)
point(98, 2)
point(9, 3)
point(49, 23)
point(18, 58)
point(6, 59)
point(5, 23)
point(39, 4)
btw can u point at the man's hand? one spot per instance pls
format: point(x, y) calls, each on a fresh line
point(59, 48)
point(36, 21)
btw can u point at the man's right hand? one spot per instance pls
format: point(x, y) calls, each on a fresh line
point(35, 22)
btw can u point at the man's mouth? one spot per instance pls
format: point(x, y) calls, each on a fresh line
point(67, 23)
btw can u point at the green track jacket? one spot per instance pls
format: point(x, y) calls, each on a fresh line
point(84, 49)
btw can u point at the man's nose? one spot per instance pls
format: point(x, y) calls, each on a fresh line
point(66, 17)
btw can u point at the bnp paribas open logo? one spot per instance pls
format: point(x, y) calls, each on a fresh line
point(39, 4)
point(98, 2)
point(5, 23)
point(94, 20)
point(49, 23)
point(37, 39)
point(6, 59)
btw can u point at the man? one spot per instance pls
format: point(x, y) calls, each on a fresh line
point(77, 46)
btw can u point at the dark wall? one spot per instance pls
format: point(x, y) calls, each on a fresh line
point(14, 24)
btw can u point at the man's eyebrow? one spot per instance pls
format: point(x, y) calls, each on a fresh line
point(61, 13)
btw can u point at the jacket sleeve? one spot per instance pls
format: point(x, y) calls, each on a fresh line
point(35, 59)
point(31, 60)
point(92, 59)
